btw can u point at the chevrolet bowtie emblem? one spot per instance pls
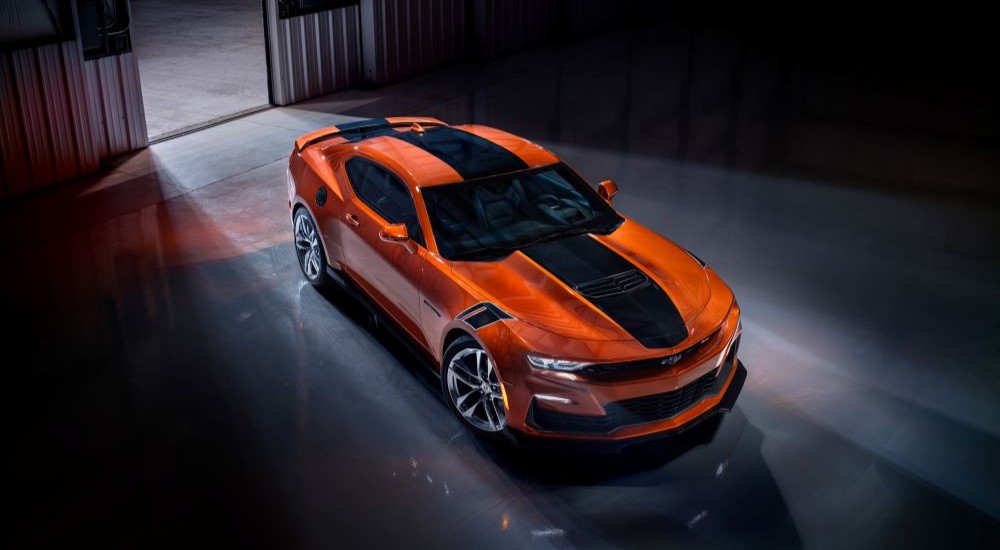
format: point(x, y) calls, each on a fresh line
point(670, 360)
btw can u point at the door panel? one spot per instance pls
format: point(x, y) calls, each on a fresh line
point(389, 272)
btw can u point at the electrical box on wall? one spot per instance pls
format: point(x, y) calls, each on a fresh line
point(33, 23)
point(104, 27)
point(292, 8)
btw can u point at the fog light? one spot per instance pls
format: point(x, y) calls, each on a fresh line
point(553, 398)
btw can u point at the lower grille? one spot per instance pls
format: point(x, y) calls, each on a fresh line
point(661, 405)
point(629, 412)
point(555, 421)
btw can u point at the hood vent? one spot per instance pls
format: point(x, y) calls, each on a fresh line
point(612, 285)
point(615, 286)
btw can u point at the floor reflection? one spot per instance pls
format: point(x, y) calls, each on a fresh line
point(174, 382)
point(710, 485)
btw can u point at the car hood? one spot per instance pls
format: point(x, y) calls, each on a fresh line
point(536, 286)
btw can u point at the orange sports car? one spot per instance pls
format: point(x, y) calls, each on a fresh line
point(546, 313)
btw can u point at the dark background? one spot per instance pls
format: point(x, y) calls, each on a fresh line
point(173, 381)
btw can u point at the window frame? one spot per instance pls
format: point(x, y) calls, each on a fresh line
point(576, 183)
point(419, 238)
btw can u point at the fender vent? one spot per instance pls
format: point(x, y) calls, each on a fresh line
point(482, 314)
point(613, 284)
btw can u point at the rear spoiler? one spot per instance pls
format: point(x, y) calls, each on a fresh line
point(362, 127)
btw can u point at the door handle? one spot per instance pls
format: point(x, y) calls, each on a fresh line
point(351, 220)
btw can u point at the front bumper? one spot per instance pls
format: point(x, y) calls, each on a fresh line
point(691, 431)
point(563, 407)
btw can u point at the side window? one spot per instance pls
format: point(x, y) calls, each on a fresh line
point(385, 194)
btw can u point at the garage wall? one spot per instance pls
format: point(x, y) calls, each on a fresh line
point(401, 38)
point(62, 115)
point(314, 54)
point(45, 134)
point(114, 102)
point(405, 37)
point(578, 18)
point(506, 26)
point(500, 27)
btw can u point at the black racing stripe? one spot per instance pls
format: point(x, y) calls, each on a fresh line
point(647, 312)
point(470, 155)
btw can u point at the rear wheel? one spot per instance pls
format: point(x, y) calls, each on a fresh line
point(472, 387)
point(308, 248)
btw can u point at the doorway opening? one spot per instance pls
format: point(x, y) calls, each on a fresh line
point(199, 62)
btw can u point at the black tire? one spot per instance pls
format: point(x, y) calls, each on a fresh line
point(460, 386)
point(309, 249)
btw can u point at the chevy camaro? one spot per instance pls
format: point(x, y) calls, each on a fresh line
point(547, 314)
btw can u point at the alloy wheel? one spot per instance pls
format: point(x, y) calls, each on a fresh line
point(307, 244)
point(475, 391)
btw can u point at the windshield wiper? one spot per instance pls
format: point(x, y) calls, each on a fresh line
point(569, 232)
point(573, 231)
point(557, 235)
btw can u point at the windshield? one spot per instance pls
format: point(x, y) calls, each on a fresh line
point(492, 217)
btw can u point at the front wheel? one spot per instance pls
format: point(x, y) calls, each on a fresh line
point(472, 388)
point(308, 248)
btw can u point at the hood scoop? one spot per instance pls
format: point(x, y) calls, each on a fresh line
point(612, 285)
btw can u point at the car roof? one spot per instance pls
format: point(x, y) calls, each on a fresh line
point(427, 151)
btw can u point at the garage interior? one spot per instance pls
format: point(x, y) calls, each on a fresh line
point(200, 62)
point(175, 380)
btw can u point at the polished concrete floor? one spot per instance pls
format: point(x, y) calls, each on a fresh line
point(176, 382)
point(198, 61)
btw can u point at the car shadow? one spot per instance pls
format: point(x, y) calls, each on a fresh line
point(709, 484)
point(365, 315)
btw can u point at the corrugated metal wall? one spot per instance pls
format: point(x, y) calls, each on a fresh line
point(314, 54)
point(114, 100)
point(505, 26)
point(45, 135)
point(318, 53)
point(60, 115)
point(580, 17)
point(404, 37)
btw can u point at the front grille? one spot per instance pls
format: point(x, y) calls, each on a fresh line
point(637, 367)
point(628, 412)
point(621, 283)
point(661, 405)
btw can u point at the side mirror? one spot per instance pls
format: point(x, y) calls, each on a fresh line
point(607, 189)
point(394, 233)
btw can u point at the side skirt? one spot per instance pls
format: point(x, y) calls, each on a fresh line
point(384, 319)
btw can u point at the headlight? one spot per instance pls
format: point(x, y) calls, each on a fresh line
point(548, 363)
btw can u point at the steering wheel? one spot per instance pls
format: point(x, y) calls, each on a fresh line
point(547, 201)
point(548, 206)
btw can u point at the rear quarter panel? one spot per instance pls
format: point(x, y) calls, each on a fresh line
point(310, 171)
